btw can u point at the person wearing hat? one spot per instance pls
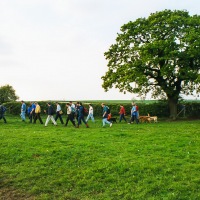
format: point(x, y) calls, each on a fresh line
point(50, 113)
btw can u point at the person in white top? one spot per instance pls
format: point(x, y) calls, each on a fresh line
point(58, 113)
point(69, 115)
point(90, 114)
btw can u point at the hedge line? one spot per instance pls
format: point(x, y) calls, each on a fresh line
point(159, 109)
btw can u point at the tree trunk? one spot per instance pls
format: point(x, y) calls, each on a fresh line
point(173, 107)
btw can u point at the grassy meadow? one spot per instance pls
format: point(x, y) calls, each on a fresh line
point(126, 161)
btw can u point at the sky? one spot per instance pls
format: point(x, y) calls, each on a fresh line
point(54, 49)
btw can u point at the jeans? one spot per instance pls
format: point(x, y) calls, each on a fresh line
point(81, 117)
point(90, 116)
point(105, 121)
point(122, 117)
point(23, 115)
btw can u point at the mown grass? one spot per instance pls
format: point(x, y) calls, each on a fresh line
point(145, 161)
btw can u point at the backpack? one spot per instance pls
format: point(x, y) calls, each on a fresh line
point(85, 111)
point(73, 109)
point(108, 110)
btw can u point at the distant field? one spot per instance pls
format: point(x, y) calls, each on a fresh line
point(126, 161)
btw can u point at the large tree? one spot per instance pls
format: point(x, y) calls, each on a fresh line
point(159, 54)
point(7, 93)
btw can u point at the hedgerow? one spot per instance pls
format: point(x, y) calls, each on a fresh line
point(160, 108)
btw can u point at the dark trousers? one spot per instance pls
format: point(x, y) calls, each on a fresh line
point(81, 118)
point(71, 118)
point(58, 115)
point(37, 116)
point(134, 117)
point(2, 117)
point(122, 117)
point(32, 116)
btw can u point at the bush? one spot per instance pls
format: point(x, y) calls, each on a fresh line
point(159, 108)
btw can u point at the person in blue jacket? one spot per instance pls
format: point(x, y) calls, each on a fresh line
point(2, 112)
point(23, 111)
point(81, 115)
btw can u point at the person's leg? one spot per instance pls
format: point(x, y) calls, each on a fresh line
point(88, 117)
point(124, 118)
point(47, 120)
point(107, 122)
point(136, 119)
point(35, 118)
point(120, 118)
point(67, 120)
point(40, 119)
point(30, 118)
point(53, 120)
point(72, 120)
point(57, 114)
point(92, 117)
point(82, 118)
point(103, 121)
point(60, 117)
point(23, 116)
point(3, 117)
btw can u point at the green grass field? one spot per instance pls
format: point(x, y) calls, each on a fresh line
point(126, 161)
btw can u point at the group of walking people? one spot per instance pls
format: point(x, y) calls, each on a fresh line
point(75, 113)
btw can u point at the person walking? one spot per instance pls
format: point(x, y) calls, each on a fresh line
point(122, 113)
point(2, 113)
point(81, 115)
point(37, 113)
point(134, 114)
point(50, 113)
point(23, 111)
point(105, 115)
point(90, 114)
point(69, 115)
point(32, 113)
point(59, 113)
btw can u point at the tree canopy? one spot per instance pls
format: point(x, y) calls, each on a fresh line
point(7, 93)
point(159, 54)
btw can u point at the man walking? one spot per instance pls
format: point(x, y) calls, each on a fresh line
point(23, 111)
point(81, 114)
point(122, 113)
point(32, 113)
point(105, 115)
point(69, 115)
point(2, 112)
point(90, 114)
point(58, 114)
point(50, 113)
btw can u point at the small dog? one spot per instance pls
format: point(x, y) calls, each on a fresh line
point(144, 118)
point(113, 119)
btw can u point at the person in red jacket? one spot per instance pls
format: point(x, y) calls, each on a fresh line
point(122, 113)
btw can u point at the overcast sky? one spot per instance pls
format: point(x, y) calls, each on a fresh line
point(54, 49)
